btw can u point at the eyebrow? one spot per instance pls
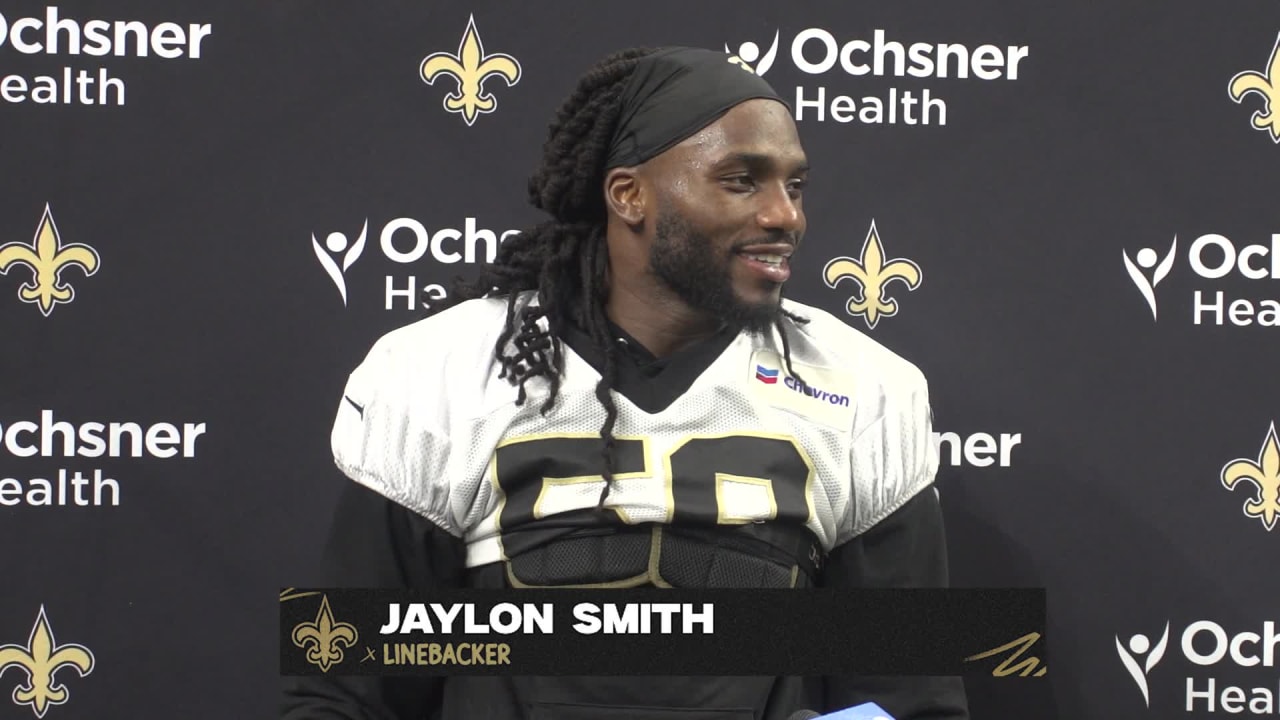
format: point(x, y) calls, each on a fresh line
point(756, 162)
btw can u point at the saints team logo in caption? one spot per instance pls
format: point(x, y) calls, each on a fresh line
point(1261, 85)
point(470, 70)
point(872, 274)
point(73, 486)
point(1223, 670)
point(1262, 476)
point(46, 259)
point(53, 34)
point(1251, 269)
point(46, 666)
point(324, 639)
point(841, 60)
point(407, 241)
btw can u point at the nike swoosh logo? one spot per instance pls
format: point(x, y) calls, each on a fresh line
point(354, 405)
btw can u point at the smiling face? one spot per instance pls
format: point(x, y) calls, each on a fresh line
point(727, 212)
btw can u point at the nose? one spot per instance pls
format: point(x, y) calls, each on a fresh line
point(780, 212)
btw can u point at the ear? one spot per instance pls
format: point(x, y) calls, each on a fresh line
point(624, 196)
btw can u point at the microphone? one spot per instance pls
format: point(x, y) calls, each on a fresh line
point(865, 711)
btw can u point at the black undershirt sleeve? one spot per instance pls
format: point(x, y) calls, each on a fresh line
point(374, 542)
point(907, 549)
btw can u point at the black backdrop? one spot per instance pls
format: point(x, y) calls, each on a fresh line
point(211, 193)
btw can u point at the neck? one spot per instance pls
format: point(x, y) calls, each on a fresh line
point(661, 323)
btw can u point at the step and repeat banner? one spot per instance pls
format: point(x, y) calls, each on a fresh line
point(1065, 214)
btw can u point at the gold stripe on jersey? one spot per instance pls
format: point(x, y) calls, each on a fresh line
point(552, 482)
point(721, 516)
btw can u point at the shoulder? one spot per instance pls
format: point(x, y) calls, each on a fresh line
point(392, 430)
point(828, 340)
point(893, 457)
point(439, 366)
point(460, 334)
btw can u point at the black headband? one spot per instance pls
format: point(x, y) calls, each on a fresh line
point(674, 93)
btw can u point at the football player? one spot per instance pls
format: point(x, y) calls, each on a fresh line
point(625, 399)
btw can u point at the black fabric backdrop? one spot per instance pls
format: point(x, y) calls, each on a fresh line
point(211, 192)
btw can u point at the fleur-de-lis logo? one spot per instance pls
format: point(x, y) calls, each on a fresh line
point(323, 639)
point(41, 659)
point(1251, 81)
point(1265, 475)
point(1007, 667)
point(873, 274)
point(47, 257)
point(471, 67)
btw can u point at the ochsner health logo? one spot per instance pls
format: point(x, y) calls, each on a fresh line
point(408, 241)
point(835, 61)
point(1147, 258)
point(59, 33)
point(749, 57)
point(1224, 668)
point(336, 245)
point(1140, 645)
point(1215, 261)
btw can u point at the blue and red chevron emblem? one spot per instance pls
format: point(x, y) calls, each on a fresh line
point(766, 375)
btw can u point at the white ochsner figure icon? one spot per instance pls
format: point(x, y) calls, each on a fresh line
point(337, 243)
point(1139, 645)
point(749, 53)
point(1147, 259)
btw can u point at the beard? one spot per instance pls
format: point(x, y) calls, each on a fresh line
point(688, 263)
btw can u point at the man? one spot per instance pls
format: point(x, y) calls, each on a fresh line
point(637, 344)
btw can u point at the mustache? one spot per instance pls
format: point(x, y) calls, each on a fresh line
point(790, 238)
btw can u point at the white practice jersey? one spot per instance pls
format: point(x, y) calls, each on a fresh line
point(426, 421)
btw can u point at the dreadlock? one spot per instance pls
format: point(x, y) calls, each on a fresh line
point(565, 258)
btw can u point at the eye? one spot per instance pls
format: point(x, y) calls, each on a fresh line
point(796, 187)
point(740, 183)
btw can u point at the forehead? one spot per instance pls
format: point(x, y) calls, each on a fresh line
point(756, 127)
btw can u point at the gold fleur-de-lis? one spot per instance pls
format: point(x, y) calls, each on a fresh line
point(1265, 474)
point(41, 659)
point(46, 257)
point(470, 68)
point(325, 637)
point(873, 274)
point(1007, 667)
point(1264, 84)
